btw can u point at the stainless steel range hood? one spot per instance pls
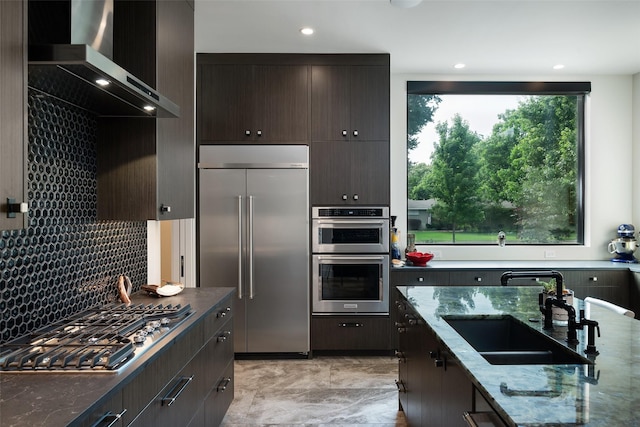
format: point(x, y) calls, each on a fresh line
point(70, 50)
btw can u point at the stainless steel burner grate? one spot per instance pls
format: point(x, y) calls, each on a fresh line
point(99, 339)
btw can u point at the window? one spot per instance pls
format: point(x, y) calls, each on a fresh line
point(490, 157)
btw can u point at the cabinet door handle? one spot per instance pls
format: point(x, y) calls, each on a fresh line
point(222, 386)
point(240, 247)
point(247, 132)
point(344, 197)
point(344, 132)
point(350, 325)
point(110, 418)
point(259, 132)
point(168, 400)
point(355, 132)
point(593, 278)
point(356, 197)
point(477, 279)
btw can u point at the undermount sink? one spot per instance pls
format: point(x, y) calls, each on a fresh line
point(505, 340)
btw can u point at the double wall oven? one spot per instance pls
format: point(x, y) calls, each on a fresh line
point(350, 260)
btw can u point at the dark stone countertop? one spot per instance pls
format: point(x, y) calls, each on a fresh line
point(437, 265)
point(44, 399)
point(605, 394)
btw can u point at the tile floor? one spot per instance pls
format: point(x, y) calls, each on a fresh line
point(323, 391)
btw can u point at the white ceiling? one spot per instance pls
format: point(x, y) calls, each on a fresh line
point(491, 37)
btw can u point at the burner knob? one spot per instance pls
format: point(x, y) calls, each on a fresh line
point(149, 329)
point(165, 321)
point(155, 324)
point(139, 338)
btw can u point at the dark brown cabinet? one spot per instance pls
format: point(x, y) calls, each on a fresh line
point(350, 102)
point(355, 172)
point(241, 100)
point(13, 111)
point(433, 388)
point(177, 388)
point(146, 166)
point(609, 285)
point(343, 333)
point(349, 161)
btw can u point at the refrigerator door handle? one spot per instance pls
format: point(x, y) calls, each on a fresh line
point(240, 247)
point(250, 244)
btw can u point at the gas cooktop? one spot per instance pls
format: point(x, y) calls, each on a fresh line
point(100, 339)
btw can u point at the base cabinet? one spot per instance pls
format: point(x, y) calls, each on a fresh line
point(350, 333)
point(433, 388)
point(190, 384)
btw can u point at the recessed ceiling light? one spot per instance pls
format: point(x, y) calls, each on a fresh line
point(558, 67)
point(102, 82)
point(459, 65)
point(307, 31)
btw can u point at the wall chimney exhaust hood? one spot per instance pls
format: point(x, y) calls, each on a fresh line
point(70, 50)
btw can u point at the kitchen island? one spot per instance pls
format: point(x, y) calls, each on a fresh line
point(603, 394)
point(136, 390)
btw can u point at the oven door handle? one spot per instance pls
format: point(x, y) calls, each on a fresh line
point(351, 223)
point(351, 257)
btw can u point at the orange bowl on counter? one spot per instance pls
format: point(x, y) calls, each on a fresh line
point(419, 259)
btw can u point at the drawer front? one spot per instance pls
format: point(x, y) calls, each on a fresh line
point(218, 317)
point(179, 400)
point(419, 278)
point(154, 377)
point(612, 286)
point(350, 333)
point(219, 351)
point(220, 397)
point(478, 278)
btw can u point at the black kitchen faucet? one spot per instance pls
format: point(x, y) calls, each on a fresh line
point(558, 301)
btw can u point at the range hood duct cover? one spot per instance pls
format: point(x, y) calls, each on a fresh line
point(70, 48)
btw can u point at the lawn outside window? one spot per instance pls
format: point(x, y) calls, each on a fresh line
point(491, 157)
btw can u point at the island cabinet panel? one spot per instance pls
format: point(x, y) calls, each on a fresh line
point(433, 388)
point(251, 103)
point(13, 110)
point(609, 285)
point(634, 294)
point(146, 166)
point(410, 278)
point(350, 333)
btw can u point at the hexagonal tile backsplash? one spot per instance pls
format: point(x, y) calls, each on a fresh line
point(66, 260)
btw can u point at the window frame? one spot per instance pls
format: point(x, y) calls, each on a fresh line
point(578, 88)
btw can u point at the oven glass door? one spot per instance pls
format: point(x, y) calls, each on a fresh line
point(351, 283)
point(349, 236)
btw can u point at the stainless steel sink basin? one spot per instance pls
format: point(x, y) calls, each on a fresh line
point(505, 340)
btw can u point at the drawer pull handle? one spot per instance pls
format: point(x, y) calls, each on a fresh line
point(223, 336)
point(109, 417)
point(224, 312)
point(350, 325)
point(180, 386)
point(223, 385)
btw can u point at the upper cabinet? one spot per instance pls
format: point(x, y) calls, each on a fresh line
point(350, 102)
point(252, 99)
point(146, 166)
point(13, 112)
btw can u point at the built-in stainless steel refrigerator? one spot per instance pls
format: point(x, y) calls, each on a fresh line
point(253, 233)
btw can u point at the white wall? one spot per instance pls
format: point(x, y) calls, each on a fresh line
point(609, 139)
